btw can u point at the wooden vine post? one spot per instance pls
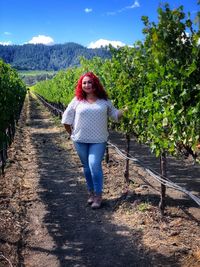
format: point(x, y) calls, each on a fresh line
point(3, 161)
point(163, 169)
point(126, 172)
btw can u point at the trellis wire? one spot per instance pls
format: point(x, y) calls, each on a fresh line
point(156, 176)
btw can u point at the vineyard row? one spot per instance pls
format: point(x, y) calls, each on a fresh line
point(157, 80)
point(12, 94)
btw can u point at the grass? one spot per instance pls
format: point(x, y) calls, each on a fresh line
point(143, 207)
point(35, 72)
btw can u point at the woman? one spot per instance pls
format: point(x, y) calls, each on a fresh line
point(86, 119)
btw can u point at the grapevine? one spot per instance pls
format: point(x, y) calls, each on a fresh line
point(157, 80)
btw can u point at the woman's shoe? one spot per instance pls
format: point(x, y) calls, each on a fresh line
point(91, 198)
point(97, 202)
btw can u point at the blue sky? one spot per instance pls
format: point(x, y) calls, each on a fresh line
point(90, 23)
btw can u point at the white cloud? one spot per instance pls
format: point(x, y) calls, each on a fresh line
point(41, 39)
point(102, 43)
point(7, 33)
point(134, 5)
point(6, 43)
point(88, 10)
point(111, 13)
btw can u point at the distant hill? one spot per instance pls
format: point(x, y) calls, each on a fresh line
point(43, 57)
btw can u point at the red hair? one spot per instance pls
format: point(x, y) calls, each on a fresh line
point(99, 91)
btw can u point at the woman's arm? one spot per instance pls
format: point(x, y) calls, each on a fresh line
point(68, 129)
point(68, 116)
point(121, 112)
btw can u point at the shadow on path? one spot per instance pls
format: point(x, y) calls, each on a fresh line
point(82, 237)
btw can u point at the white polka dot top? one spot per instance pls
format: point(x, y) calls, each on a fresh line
point(89, 121)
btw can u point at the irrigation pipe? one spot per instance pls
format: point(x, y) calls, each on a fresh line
point(9, 262)
point(48, 104)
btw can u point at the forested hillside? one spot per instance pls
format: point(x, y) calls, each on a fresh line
point(43, 57)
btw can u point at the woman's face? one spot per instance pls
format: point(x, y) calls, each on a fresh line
point(87, 85)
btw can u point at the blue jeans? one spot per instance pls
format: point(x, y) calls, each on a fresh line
point(91, 156)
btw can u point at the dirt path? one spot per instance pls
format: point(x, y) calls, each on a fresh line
point(62, 230)
point(51, 224)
